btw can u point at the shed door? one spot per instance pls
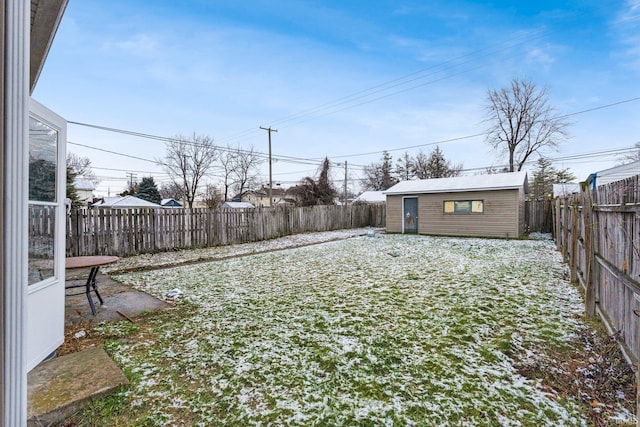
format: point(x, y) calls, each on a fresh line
point(410, 215)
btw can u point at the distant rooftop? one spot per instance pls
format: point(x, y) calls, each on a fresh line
point(371, 197)
point(124, 202)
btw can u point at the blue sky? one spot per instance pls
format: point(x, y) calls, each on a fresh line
point(337, 78)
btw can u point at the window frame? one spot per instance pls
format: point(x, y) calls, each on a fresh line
point(470, 211)
point(42, 114)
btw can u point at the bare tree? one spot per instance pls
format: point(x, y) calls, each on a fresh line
point(212, 196)
point(421, 165)
point(227, 160)
point(187, 161)
point(172, 191)
point(81, 167)
point(245, 170)
point(634, 156)
point(522, 122)
point(434, 165)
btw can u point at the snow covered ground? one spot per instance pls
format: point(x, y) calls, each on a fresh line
point(385, 330)
point(221, 252)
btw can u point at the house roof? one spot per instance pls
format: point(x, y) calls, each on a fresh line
point(170, 202)
point(83, 184)
point(499, 181)
point(124, 202)
point(617, 173)
point(238, 205)
point(371, 197)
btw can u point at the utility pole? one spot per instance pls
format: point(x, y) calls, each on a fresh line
point(270, 171)
point(345, 183)
point(131, 176)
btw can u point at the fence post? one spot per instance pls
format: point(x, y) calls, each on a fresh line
point(589, 252)
point(573, 260)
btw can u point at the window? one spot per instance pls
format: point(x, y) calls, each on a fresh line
point(46, 171)
point(463, 206)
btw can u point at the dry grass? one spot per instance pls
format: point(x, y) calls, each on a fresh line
point(590, 370)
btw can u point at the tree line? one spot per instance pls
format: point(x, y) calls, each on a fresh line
point(521, 122)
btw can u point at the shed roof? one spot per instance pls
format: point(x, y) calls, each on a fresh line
point(500, 181)
point(124, 202)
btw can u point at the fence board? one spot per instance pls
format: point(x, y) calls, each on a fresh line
point(601, 237)
point(126, 232)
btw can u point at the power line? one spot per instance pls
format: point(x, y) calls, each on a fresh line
point(509, 43)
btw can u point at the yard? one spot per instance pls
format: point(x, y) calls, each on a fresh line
point(385, 330)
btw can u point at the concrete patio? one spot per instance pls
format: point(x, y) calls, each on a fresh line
point(63, 385)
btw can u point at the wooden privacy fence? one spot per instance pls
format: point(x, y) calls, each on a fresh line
point(126, 232)
point(538, 216)
point(598, 234)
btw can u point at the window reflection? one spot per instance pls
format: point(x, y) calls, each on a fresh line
point(43, 153)
point(42, 225)
point(42, 161)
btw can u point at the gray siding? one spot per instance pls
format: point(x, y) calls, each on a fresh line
point(394, 214)
point(503, 214)
point(522, 197)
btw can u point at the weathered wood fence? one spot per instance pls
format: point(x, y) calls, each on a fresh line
point(598, 234)
point(539, 216)
point(126, 232)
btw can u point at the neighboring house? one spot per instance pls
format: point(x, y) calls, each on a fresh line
point(565, 189)
point(123, 203)
point(481, 205)
point(616, 173)
point(371, 197)
point(84, 188)
point(170, 203)
point(261, 197)
point(286, 201)
point(238, 205)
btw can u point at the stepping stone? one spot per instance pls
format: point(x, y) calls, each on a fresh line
point(59, 387)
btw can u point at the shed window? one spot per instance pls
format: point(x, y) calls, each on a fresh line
point(463, 206)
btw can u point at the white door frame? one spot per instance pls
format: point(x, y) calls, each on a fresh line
point(13, 213)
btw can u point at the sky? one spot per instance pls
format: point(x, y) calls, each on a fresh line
point(343, 80)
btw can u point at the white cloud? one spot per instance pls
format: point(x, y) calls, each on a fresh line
point(138, 44)
point(626, 26)
point(540, 56)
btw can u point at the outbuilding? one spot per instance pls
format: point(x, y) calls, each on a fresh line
point(480, 205)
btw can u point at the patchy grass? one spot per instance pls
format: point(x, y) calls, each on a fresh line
point(392, 330)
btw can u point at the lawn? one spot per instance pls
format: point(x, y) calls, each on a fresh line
point(385, 330)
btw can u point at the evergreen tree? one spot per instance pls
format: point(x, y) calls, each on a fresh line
point(131, 190)
point(435, 166)
point(379, 176)
point(72, 193)
point(147, 190)
point(544, 176)
point(404, 167)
